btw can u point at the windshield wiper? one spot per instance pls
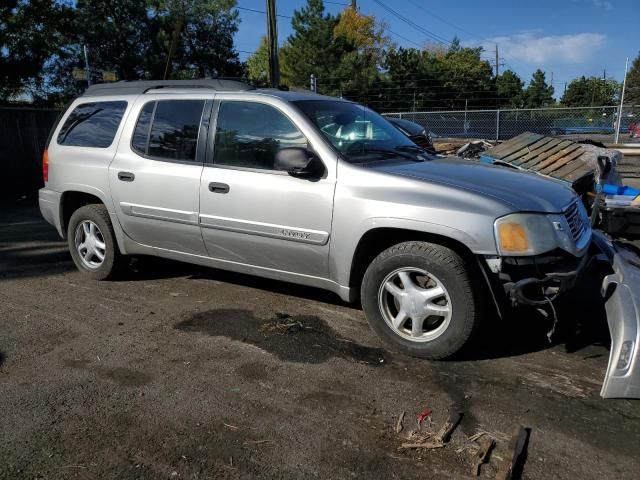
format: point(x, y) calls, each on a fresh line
point(394, 153)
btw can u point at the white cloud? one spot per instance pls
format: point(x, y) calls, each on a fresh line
point(605, 4)
point(535, 48)
point(608, 6)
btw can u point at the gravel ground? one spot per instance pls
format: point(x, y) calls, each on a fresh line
point(177, 371)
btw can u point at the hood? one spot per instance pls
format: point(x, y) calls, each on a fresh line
point(521, 190)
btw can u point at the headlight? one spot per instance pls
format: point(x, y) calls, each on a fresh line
point(525, 234)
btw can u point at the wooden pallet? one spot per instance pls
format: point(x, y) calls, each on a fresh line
point(549, 156)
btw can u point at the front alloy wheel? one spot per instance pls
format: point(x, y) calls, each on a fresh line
point(422, 299)
point(415, 304)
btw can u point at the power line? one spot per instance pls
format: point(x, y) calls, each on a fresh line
point(440, 18)
point(409, 22)
point(261, 11)
point(403, 38)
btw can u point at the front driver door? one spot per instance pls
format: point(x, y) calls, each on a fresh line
point(252, 214)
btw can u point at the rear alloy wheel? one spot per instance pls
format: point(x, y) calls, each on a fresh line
point(419, 297)
point(92, 243)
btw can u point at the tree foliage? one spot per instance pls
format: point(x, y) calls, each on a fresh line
point(538, 94)
point(30, 33)
point(258, 64)
point(43, 41)
point(590, 92)
point(311, 48)
point(509, 89)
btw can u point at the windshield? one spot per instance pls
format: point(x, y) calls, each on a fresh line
point(358, 133)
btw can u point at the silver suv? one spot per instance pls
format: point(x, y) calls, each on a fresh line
point(312, 190)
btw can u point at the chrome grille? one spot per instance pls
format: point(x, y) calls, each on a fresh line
point(577, 224)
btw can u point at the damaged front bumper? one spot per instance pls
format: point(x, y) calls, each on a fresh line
point(621, 293)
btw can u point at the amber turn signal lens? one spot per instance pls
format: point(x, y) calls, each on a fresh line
point(512, 237)
point(45, 166)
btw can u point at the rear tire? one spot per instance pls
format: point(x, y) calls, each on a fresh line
point(92, 243)
point(419, 298)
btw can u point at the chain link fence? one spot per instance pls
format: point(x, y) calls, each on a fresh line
point(595, 123)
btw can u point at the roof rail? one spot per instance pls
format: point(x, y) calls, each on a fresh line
point(133, 87)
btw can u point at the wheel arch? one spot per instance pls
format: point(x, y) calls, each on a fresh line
point(376, 240)
point(78, 196)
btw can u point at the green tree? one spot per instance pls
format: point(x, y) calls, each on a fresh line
point(197, 35)
point(434, 77)
point(509, 89)
point(311, 47)
point(258, 64)
point(632, 93)
point(538, 94)
point(116, 38)
point(30, 33)
point(465, 78)
point(590, 92)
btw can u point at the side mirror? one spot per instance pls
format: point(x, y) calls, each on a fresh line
point(298, 161)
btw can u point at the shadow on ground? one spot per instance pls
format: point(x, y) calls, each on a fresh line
point(300, 338)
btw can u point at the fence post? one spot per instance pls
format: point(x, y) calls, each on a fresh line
point(497, 125)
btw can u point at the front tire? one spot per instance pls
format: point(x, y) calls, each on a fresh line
point(418, 298)
point(92, 243)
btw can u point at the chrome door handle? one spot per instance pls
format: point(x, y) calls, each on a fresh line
point(126, 176)
point(216, 187)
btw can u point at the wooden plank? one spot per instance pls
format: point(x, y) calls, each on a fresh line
point(544, 156)
point(568, 168)
point(554, 158)
point(562, 161)
point(531, 139)
point(579, 173)
point(527, 150)
point(537, 153)
point(512, 463)
point(505, 144)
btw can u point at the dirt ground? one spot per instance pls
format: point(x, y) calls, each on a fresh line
point(178, 371)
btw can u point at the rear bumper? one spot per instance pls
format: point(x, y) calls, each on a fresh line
point(49, 202)
point(621, 293)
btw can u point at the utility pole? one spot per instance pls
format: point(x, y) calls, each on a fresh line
point(497, 62)
point(354, 5)
point(272, 40)
point(86, 66)
point(624, 85)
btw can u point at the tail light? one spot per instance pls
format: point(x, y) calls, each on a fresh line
point(45, 166)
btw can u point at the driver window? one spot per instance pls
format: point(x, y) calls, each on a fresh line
point(248, 134)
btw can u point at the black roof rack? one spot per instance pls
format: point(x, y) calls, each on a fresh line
point(133, 87)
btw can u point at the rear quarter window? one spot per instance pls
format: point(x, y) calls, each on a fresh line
point(92, 124)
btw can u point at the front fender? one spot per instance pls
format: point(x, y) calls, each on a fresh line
point(343, 248)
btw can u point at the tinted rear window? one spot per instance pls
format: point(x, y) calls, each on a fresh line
point(92, 124)
point(168, 129)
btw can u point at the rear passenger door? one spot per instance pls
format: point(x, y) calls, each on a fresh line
point(155, 175)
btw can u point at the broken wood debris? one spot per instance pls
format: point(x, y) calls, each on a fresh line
point(513, 462)
point(399, 425)
point(440, 439)
point(482, 455)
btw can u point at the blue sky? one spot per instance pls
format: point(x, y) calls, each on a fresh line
point(567, 37)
